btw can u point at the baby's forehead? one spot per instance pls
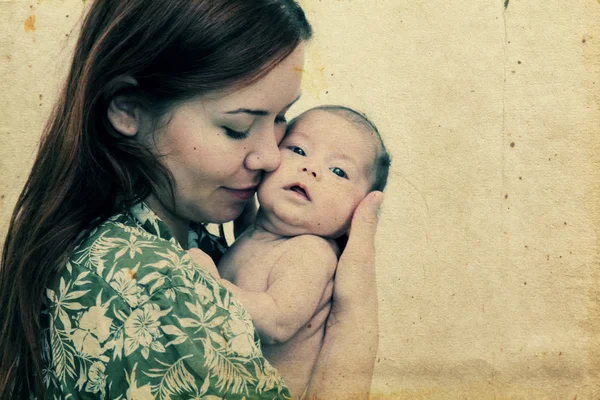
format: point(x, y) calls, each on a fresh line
point(318, 117)
point(338, 126)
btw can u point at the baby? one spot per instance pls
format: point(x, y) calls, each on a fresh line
point(282, 268)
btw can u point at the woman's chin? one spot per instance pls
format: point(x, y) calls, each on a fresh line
point(224, 215)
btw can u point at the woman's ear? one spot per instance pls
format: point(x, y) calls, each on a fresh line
point(123, 110)
point(124, 115)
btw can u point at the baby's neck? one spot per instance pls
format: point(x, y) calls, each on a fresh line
point(268, 223)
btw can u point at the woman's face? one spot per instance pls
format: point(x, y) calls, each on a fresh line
point(217, 146)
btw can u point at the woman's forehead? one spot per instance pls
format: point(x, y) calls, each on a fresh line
point(278, 89)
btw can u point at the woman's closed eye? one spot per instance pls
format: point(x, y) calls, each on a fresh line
point(237, 135)
point(339, 172)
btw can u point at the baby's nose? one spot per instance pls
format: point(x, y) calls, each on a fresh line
point(312, 172)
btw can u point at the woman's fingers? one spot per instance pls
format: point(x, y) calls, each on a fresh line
point(364, 224)
point(345, 366)
point(204, 261)
point(355, 275)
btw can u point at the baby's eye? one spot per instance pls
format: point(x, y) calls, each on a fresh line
point(297, 150)
point(339, 172)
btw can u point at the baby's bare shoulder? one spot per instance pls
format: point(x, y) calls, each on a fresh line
point(313, 243)
point(310, 251)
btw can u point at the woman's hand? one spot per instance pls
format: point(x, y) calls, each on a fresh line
point(355, 277)
point(345, 365)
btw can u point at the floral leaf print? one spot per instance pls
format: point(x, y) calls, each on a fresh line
point(62, 357)
point(132, 246)
point(158, 347)
point(150, 222)
point(134, 392)
point(80, 279)
point(63, 303)
point(65, 320)
point(231, 373)
point(172, 330)
point(95, 321)
point(203, 293)
point(141, 328)
point(219, 300)
point(205, 385)
point(175, 379)
point(117, 344)
point(190, 323)
point(157, 285)
point(86, 344)
point(174, 260)
point(82, 376)
point(150, 277)
point(145, 311)
point(217, 340)
point(124, 283)
point(120, 315)
point(97, 379)
point(95, 256)
point(268, 378)
point(205, 320)
point(72, 296)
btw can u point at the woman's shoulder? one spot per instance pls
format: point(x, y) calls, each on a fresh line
point(127, 259)
point(131, 311)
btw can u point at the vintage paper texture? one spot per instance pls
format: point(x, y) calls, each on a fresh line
point(488, 243)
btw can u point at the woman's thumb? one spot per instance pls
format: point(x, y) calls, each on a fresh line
point(365, 218)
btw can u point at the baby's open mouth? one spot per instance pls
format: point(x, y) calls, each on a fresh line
point(301, 191)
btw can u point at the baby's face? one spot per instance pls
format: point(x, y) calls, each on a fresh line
point(326, 170)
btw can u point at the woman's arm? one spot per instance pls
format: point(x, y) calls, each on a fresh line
point(345, 366)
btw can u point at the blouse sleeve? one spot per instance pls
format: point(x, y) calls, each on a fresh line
point(153, 328)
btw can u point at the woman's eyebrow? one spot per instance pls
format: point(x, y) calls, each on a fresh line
point(258, 112)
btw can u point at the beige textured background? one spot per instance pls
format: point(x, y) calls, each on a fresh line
point(488, 262)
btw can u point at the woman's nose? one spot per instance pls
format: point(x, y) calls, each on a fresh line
point(266, 155)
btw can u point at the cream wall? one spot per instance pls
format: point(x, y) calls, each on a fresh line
point(488, 243)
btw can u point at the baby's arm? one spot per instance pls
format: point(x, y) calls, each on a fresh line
point(295, 288)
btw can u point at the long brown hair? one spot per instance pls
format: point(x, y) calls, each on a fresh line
point(85, 171)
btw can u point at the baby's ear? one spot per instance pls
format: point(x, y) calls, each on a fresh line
point(123, 109)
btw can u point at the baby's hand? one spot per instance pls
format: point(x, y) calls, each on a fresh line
point(204, 261)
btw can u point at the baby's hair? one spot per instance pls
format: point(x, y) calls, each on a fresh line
point(382, 160)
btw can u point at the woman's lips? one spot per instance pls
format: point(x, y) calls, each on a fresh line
point(241, 194)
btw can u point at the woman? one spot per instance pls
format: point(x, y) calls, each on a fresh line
point(171, 112)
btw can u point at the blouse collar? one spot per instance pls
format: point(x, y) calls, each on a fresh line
point(151, 223)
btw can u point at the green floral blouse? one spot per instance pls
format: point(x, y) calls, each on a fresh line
point(131, 316)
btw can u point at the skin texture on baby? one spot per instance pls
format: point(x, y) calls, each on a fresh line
point(282, 268)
